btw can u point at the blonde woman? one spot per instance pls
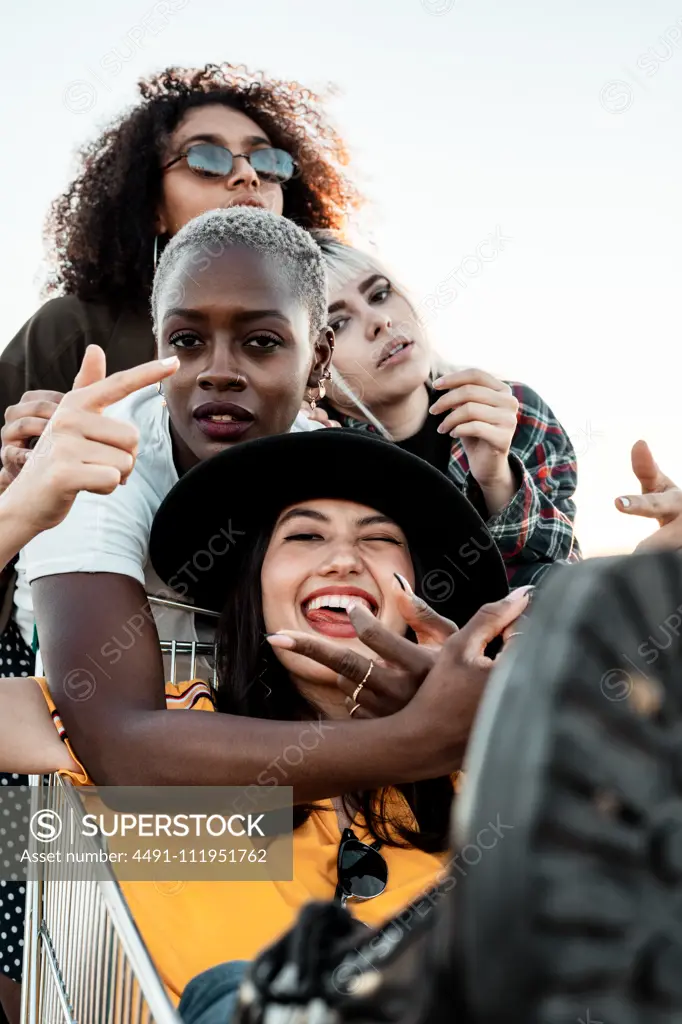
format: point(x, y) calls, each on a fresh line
point(497, 440)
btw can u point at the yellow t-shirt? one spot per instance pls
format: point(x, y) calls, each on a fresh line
point(191, 926)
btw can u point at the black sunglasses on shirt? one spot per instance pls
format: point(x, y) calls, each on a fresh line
point(362, 871)
point(209, 160)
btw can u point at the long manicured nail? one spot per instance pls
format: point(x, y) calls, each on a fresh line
point(404, 585)
point(170, 361)
point(402, 582)
point(625, 502)
point(438, 383)
point(280, 640)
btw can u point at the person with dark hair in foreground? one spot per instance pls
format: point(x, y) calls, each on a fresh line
point(561, 902)
point(311, 547)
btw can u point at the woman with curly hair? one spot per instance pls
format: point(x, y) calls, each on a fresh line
point(198, 139)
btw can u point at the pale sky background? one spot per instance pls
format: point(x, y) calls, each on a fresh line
point(558, 125)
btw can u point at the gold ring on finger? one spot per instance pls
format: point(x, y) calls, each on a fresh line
point(367, 673)
point(353, 710)
point(360, 685)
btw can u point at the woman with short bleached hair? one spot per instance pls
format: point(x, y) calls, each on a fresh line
point(248, 327)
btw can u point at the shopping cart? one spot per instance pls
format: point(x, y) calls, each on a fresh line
point(200, 655)
point(84, 959)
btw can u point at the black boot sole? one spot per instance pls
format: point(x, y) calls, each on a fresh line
point(567, 904)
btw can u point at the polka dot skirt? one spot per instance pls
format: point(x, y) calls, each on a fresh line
point(16, 659)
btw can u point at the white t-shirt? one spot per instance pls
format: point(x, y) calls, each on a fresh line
point(110, 533)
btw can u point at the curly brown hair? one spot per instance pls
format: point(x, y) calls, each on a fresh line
point(100, 232)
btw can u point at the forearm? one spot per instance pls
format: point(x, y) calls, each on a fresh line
point(110, 695)
point(499, 492)
point(318, 759)
point(534, 529)
point(16, 529)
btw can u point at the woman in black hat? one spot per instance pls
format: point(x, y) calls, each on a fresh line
point(562, 898)
point(328, 534)
point(329, 521)
point(316, 523)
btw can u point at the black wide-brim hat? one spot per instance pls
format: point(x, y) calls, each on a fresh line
point(206, 526)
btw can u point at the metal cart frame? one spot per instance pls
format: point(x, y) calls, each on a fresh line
point(84, 959)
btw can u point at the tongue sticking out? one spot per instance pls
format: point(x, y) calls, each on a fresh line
point(331, 621)
point(327, 615)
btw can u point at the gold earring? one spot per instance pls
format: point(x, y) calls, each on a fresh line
point(322, 391)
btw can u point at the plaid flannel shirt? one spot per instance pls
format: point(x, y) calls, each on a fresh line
point(535, 529)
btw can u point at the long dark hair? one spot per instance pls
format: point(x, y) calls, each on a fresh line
point(253, 683)
point(100, 232)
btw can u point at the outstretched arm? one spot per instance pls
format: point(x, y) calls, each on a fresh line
point(115, 719)
point(78, 450)
point(112, 703)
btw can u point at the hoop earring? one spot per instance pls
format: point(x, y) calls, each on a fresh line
point(156, 251)
point(321, 389)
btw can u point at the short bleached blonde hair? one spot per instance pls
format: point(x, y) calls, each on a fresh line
point(208, 236)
